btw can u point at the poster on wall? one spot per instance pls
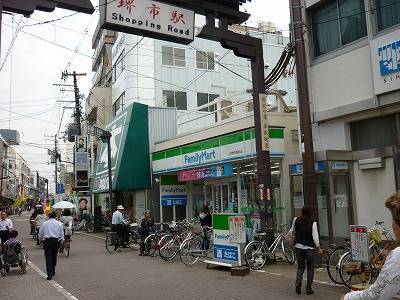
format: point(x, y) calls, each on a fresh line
point(83, 203)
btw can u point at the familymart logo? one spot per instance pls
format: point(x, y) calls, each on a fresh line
point(200, 157)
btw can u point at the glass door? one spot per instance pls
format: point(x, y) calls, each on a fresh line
point(233, 198)
point(323, 205)
point(217, 198)
point(224, 198)
point(340, 205)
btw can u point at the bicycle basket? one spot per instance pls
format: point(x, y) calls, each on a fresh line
point(375, 235)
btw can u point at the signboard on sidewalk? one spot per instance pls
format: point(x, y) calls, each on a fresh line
point(227, 233)
point(359, 243)
point(148, 18)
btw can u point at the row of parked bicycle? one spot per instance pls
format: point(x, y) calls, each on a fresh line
point(342, 269)
point(181, 238)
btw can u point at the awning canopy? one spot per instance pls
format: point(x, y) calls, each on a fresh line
point(130, 156)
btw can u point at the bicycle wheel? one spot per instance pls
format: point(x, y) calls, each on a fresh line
point(151, 245)
point(133, 241)
point(89, 226)
point(255, 255)
point(112, 243)
point(169, 247)
point(288, 252)
point(350, 271)
point(190, 251)
point(332, 264)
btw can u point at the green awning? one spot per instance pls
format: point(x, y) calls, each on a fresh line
point(130, 156)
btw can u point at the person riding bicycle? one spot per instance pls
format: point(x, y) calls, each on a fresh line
point(206, 224)
point(145, 227)
point(32, 219)
point(39, 220)
point(67, 221)
point(118, 225)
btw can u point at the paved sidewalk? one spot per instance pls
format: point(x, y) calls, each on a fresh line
point(92, 273)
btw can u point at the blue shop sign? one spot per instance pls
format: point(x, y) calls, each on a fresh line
point(227, 253)
point(297, 169)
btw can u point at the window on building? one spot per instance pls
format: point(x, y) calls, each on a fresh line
point(336, 23)
point(204, 98)
point(119, 65)
point(388, 13)
point(373, 133)
point(205, 60)
point(173, 56)
point(119, 104)
point(175, 99)
point(227, 112)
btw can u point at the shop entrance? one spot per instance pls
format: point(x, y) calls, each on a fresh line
point(222, 197)
point(333, 195)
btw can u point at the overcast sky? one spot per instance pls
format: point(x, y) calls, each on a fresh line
point(38, 56)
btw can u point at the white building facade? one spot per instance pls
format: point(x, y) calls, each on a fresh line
point(353, 51)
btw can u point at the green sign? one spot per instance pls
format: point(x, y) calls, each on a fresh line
point(130, 157)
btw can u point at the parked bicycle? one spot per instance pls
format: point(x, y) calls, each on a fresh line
point(113, 241)
point(332, 263)
point(193, 248)
point(86, 224)
point(152, 241)
point(257, 252)
point(353, 272)
point(170, 243)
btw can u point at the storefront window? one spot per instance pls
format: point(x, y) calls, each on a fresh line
point(168, 213)
point(180, 212)
point(233, 197)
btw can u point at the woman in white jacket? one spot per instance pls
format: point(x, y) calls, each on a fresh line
point(387, 285)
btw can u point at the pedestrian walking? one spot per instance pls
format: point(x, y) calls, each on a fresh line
point(5, 226)
point(305, 231)
point(52, 235)
point(387, 285)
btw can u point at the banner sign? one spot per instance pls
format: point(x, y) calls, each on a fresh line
point(359, 243)
point(172, 195)
point(204, 173)
point(148, 18)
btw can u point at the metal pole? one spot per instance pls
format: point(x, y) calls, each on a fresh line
point(110, 193)
point(263, 156)
point(309, 178)
point(1, 185)
point(1, 13)
point(56, 158)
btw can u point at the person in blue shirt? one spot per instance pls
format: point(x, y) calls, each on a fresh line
point(52, 234)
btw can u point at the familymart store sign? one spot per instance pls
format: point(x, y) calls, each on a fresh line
point(148, 18)
point(231, 147)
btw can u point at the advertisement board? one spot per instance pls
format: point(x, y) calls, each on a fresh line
point(208, 172)
point(359, 243)
point(229, 231)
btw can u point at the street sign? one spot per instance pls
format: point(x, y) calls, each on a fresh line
point(359, 243)
point(148, 18)
point(264, 122)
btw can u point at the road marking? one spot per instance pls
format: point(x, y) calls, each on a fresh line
point(259, 271)
point(53, 283)
point(92, 235)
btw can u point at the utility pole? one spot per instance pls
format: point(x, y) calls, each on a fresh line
point(309, 178)
point(56, 157)
point(78, 111)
